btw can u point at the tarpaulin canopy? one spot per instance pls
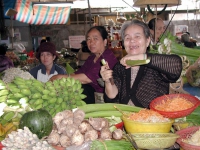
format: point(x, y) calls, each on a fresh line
point(38, 14)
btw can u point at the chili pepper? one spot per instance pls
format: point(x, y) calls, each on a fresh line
point(119, 125)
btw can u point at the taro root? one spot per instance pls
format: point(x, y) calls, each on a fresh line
point(99, 123)
point(53, 138)
point(79, 116)
point(58, 118)
point(117, 134)
point(77, 138)
point(105, 134)
point(84, 126)
point(65, 141)
point(70, 129)
point(91, 135)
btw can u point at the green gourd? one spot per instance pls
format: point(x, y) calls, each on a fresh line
point(38, 121)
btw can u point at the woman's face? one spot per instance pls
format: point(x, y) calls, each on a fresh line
point(47, 58)
point(160, 28)
point(95, 42)
point(135, 41)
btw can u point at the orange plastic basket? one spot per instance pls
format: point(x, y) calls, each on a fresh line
point(175, 114)
point(185, 133)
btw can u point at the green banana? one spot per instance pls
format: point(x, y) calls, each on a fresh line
point(59, 100)
point(38, 101)
point(45, 92)
point(52, 100)
point(11, 85)
point(14, 90)
point(11, 101)
point(22, 86)
point(46, 97)
point(3, 98)
point(8, 115)
point(4, 92)
point(26, 92)
point(53, 94)
point(38, 106)
point(2, 83)
point(49, 84)
point(36, 96)
point(18, 95)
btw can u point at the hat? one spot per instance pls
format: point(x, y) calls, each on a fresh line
point(84, 42)
point(46, 47)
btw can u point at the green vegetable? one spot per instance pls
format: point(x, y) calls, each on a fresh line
point(137, 62)
point(39, 122)
point(108, 107)
point(111, 145)
point(193, 118)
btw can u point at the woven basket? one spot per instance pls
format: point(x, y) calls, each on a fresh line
point(176, 88)
point(185, 133)
point(154, 140)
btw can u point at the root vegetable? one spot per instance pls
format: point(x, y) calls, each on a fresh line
point(117, 134)
point(58, 118)
point(99, 123)
point(65, 141)
point(79, 116)
point(53, 138)
point(77, 138)
point(105, 134)
point(91, 135)
point(67, 114)
point(70, 129)
point(84, 126)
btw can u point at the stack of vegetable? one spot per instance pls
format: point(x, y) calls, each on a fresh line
point(21, 93)
point(71, 129)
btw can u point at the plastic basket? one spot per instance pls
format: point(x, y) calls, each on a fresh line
point(185, 133)
point(175, 114)
point(154, 140)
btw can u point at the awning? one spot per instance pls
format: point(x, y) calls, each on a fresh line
point(37, 14)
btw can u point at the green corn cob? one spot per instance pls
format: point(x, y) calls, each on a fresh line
point(137, 62)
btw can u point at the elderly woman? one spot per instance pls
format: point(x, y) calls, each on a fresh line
point(47, 68)
point(139, 85)
point(88, 74)
point(157, 28)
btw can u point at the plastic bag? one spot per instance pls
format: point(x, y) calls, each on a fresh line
point(18, 47)
point(84, 146)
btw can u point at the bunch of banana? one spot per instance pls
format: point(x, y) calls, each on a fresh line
point(56, 96)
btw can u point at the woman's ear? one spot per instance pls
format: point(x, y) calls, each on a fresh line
point(148, 41)
point(105, 42)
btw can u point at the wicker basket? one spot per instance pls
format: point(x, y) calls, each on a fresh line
point(177, 88)
point(154, 140)
point(185, 133)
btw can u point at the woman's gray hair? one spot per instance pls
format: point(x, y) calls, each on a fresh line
point(134, 22)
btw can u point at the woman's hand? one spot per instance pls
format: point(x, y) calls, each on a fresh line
point(55, 77)
point(106, 73)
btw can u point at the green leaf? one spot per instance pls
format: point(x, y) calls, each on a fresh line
point(69, 69)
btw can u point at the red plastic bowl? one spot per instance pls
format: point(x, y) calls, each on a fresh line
point(183, 134)
point(175, 114)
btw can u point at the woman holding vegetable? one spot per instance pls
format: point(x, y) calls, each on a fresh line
point(139, 84)
point(88, 74)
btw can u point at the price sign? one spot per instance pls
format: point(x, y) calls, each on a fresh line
point(74, 41)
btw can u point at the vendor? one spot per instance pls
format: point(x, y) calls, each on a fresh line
point(5, 62)
point(90, 71)
point(47, 68)
point(139, 85)
point(157, 28)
